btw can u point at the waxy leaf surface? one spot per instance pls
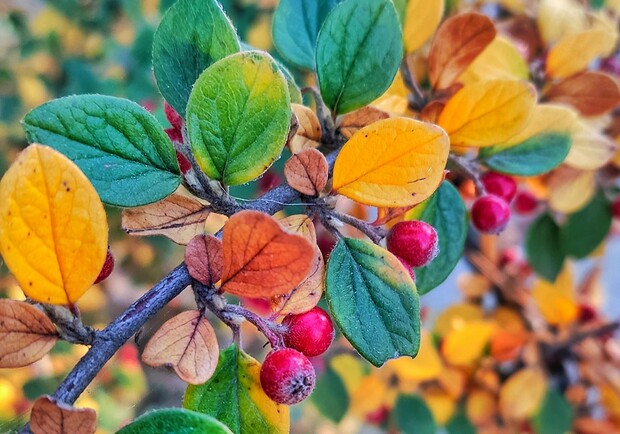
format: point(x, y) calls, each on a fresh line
point(175, 421)
point(53, 228)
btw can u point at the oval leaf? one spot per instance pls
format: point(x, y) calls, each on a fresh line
point(51, 417)
point(308, 132)
point(392, 163)
point(260, 259)
point(174, 421)
point(543, 248)
point(118, 144)
point(413, 416)
point(458, 41)
point(188, 344)
point(56, 249)
point(590, 44)
point(522, 394)
point(307, 172)
point(204, 259)
point(26, 333)
point(191, 36)
point(235, 397)
point(358, 52)
point(353, 122)
point(592, 93)
point(373, 301)
point(236, 132)
point(421, 19)
point(501, 59)
point(555, 415)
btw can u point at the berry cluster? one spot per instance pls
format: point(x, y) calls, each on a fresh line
point(490, 212)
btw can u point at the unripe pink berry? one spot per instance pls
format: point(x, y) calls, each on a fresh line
point(500, 185)
point(490, 214)
point(414, 241)
point(173, 117)
point(525, 202)
point(287, 376)
point(108, 266)
point(310, 333)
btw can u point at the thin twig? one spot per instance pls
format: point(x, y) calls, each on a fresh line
point(375, 233)
point(419, 99)
point(271, 330)
point(466, 168)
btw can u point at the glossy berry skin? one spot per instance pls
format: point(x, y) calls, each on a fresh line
point(287, 376)
point(525, 203)
point(415, 242)
point(310, 333)
point(107, 268)
point(615, 208)
point(490, 214)
point(500, 185)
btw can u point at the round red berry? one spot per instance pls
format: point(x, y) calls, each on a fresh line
point(490, 214)
point(287, 376)
point(173, 117)
point(525, 202)
point(615, 208)
point(414, 241)
point(500, 185)
point(107, 268)
point(310, 333)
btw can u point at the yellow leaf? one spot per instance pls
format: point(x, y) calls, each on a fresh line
point(370, 395)
point(522, 394)
point(350, 369)
point(308, 132)
point(421, 20)
point(558, 18)
point(590, 149)
point(499, 60)
point(440, 404)
point(392, 163)
point(32, 91)
point(426, 365)
point(455, 317)
point(556, 301)
point(53, 228)
point(571, 189)
point(575, 52)
point(394, 100)
point(464, 346)
point(546, 118)
point(488, 112)
point(480, 406)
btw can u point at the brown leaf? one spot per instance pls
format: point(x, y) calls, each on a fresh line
point(352, 122)
point(26, 334)
point(177, 217)
point(186, 343)
point(204, 260)
point(458, 41)
point(300, 224)
point(308, 132)
point(523, 30)
point(261, 260)
point(307, 172)
point(50, 417)
point(592, 93)
point(431, 111)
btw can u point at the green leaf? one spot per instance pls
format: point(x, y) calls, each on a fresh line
point(174, 421)
point(330, 396)
point(296, 24)
point(446, 212)
point(235, 397)
point(238, 117)
point(555, 415)
point(459, 424)
point(373, 301)
point(543, 249)
point(584, 230)
point(535, 156)
point(192, 35)
point(359, 50)
point(413, 416)
point(120, 146)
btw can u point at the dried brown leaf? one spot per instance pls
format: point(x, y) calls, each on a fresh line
point(352, 122)
point(186, 343)
point(307, 172)
point(50, 417)
point(204, 260)
point(26, 334)
point(592, 93)
point(308, 132)
point(177, 217)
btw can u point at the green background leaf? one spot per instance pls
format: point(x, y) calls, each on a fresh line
point(174, 421)
point(359, 50)
point(191, 36)
point(330, 396)
point(535, 156)
point(543, 248)
point(238, 117)
point(459, 424)
point(555, 415)
point(446, 212)
point(373, 301)
point(120, 146)
point(413, 416)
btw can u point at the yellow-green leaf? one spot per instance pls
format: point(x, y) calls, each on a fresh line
point(499, 60)
point(53, 228)
point(488, 112)
point(392, 163)
point(546, 118)
point(421, 20)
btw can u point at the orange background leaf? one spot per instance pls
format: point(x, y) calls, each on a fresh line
point(592, 93)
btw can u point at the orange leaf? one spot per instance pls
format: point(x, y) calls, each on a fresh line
point(188, 344)
point(260, 258)
point(506, 345)
point(204, 260)
point(592, 93)
point(26, 333)
point(308, 132)
point(307, 172)
point(384, 215)
point(458, 41)
point(50, 417)
point(352, 122)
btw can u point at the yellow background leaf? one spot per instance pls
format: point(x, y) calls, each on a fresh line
point(488, 112)
point(425, 366)
point(464, 346)
point(455, 317)
point(546, 118)
point(394, 100)
point(53, 228)
point(558, 18)
point(571, 189)
point(590, 149)
point(421, 20)
point(392, 163)
point(556, 301)
point(522, 395)
point(441, 405)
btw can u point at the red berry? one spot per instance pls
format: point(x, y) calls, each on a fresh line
point(413, 241)
point(107, 268)
point(287, 376)
point(615, 208)
point(173, 117)
point(490, 214)
point(500, 185)
point(408, 267)
point(310, 333)
point(184, 163)
point(378, 416)
point(525, 202)
point(587, 313)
